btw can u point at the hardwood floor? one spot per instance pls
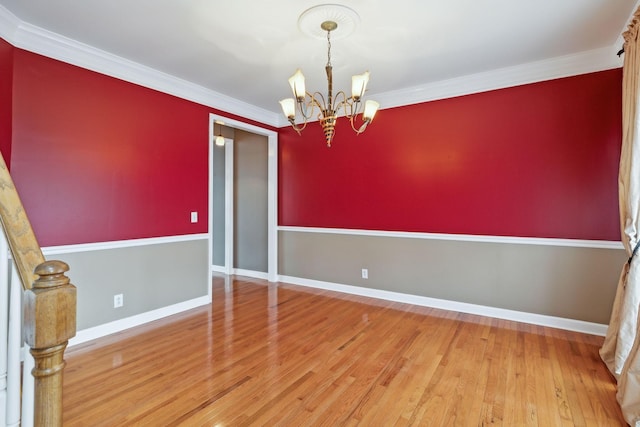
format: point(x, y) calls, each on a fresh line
point(284, 355)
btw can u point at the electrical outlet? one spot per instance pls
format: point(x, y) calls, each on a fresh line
point(118, 300)
point(194, 217)
point(365, 273)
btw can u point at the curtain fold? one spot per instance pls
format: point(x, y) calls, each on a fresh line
point(621, 348)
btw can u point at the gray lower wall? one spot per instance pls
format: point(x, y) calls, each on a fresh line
point(568, 282)
point(150, 277)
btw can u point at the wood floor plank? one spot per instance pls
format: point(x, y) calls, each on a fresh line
point(282, 355)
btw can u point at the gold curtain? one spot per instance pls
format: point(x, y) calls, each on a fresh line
point(621, 348)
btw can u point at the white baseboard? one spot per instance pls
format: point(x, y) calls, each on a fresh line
point(481, 310)
point(251, 273)
point(241, 272)
point(137, 320)
point(218, 269)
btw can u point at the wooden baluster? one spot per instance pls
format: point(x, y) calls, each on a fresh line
point(50, 321)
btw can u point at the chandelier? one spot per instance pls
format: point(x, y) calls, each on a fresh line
point(359, 113)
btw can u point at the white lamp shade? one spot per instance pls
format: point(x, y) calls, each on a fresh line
point(359, 84)
point(288, 107)
point(297, 84)
point(220, 141)
point(370, 109)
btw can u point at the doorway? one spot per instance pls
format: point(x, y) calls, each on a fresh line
point(238, 190)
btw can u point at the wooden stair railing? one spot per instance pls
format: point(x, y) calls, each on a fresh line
point(49, 303)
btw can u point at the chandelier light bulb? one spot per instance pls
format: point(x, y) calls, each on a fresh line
point(297, 85)
point(359, 85)
point(288, 108)
point(370, 109)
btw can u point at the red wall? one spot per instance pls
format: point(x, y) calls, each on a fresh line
point(98, 159)
point(536, 160)
point(6, 98)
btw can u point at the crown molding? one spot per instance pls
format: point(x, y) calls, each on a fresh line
point(8, 24)
point(554, 68)
point(38, 40)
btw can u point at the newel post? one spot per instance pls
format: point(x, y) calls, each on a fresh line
point(50, 321)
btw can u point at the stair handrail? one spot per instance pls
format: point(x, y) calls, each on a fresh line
point(23, 244)
point(49, 303)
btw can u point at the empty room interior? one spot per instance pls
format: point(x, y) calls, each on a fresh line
point(432, 222)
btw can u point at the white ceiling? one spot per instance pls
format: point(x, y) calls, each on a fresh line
point(247, 49)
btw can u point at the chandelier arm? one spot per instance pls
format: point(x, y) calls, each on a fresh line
point(303, 106)
point(346, 104)
point(297, 128)
point(356, 106)
point(317, 99)
point(362, 127)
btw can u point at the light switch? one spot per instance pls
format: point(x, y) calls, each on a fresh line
point(194, 217)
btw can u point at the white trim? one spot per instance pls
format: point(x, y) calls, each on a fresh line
point(250, 273)
point(240, 272)
point(549, 69)
point(137, 320)
point(15, 339)
point(574, 243)
point(481, 310)
point(119, 244)
point(8, 24)
point(229, 211)
point(211, 146)
point(218, 269)
point(272, 209)
point(28, 388)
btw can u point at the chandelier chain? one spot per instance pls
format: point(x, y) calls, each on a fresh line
point(329, 48)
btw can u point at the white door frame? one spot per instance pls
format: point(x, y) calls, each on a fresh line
point(272, 194)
